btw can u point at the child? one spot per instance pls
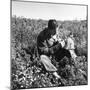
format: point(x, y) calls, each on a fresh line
point(70, 46)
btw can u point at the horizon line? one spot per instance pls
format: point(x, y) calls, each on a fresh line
point(76, 19)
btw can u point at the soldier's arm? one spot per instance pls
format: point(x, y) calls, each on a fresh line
point(55, 48)
point(43, 47)
point(50, 50)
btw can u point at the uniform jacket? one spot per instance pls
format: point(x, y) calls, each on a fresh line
point(46, 44)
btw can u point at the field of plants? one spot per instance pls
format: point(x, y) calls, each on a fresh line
point(26, 69)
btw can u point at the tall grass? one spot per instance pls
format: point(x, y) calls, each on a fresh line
point(27, 71)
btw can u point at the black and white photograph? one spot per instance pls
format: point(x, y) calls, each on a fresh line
point(49, 44)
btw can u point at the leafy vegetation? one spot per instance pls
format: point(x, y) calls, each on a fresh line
point(26, 69)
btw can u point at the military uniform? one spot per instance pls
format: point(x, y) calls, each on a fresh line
point(47, 46)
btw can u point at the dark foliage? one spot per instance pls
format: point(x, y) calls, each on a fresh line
point(26, 69)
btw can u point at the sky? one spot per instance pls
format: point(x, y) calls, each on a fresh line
point(48, 11)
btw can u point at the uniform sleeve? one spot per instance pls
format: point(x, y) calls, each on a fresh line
point(42, 46)
point(55, 48)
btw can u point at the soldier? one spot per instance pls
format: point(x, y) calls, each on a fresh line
point(47, 45)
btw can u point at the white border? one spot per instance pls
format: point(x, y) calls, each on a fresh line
point(5, 44)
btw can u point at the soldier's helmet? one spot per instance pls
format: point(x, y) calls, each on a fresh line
point(52, 24)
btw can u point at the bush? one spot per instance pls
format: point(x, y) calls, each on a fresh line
point(28, 72)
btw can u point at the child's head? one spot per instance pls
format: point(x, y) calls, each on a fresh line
point(70, 34)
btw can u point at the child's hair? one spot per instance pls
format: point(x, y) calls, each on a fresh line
point(70, 34)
